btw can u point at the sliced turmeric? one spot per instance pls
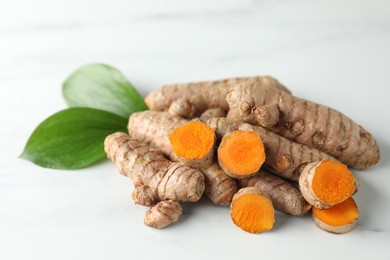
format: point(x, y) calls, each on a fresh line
point(154, 127)
point(339, 219)
point(194, 143)
point(305, 122)
point(326, 183)
point(241, 153)
point(252, 211)
point(202, 95)
point(284, 196)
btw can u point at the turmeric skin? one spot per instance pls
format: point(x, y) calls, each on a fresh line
point(339, 219)
point(194, 143)
point(252, 211)
point(241, 153)
point(326, 183)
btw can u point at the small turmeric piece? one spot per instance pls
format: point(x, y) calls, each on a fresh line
point(202, 95)
point(241, 153)
point(252, 211)
point(326, 183)
point(304, 122)
point(163, 214)
point(339, 219)
point(194, 143)
point(284, 196)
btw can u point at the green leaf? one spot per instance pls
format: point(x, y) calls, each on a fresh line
point(72, 138)
point(103, 87)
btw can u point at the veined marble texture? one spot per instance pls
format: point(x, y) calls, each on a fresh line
point(332, 52)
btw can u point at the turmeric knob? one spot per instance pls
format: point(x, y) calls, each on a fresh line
point(339, 219)
point(163, 214)
point(241, 153)
point(326, 183)
point(194, 143)
point(252, 211)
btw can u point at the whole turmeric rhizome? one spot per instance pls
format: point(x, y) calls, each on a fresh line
point(244, 142)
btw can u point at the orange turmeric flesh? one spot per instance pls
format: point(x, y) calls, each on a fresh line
point(333, 182)
point(341, 218)
point(193, 140)
point(241, 153)
point(253, 213)
point(340, 214)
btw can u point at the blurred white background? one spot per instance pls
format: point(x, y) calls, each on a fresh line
point(332, 52)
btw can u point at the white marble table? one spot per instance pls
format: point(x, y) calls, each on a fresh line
point(333, 52)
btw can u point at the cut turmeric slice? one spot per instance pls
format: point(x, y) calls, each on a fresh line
point(241, 153)
point(339, 219)
point(326, 183)
point(194, 143)
point(252, 211)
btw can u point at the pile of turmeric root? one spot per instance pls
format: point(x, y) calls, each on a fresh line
point(244, 142)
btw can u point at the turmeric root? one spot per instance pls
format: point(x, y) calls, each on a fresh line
point(284, 196)
point(163, 214)
point(305, 122)
point(147, 166)
point(203, 95)
point(326, 183)
point(283, 157)
point(241, 153)
point(252, 211)
point(220, 188)
point(339, 219)
point(153, 128)
point(194, 143)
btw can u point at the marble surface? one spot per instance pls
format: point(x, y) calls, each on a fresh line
point(333, 52)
